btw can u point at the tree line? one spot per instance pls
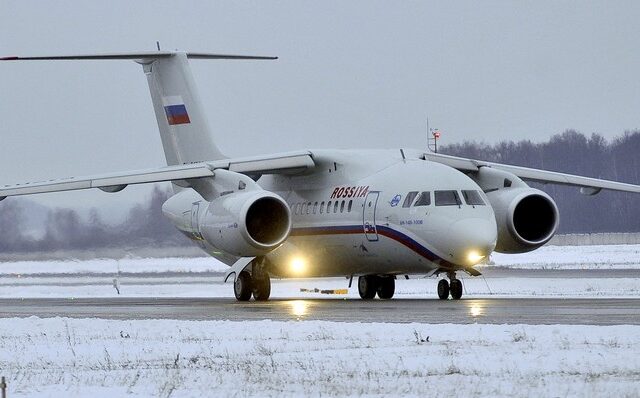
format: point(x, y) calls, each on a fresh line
point(144, 226)
point(569, 152)
point(574, 153)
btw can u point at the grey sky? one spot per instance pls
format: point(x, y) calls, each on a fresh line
point(350, 74)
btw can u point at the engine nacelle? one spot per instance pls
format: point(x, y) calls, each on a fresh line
point(527, 218)
point(245, 224)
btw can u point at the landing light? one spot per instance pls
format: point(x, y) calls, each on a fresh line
point(475, 257)
point(298, 265)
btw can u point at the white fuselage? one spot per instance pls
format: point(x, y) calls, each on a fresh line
point(349, 216)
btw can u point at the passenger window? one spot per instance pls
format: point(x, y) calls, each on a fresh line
point(335, 207)
point(321, 207)
point(424, 199)
point(409, 199)
point(473, 198)
point(447, 198)
point(342, 207)
point(308, 207)
point(303, 208)
point(349, 207)
point(328, 207)
point(315, 207)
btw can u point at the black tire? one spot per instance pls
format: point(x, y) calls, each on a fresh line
point(456, 289)
point(242, 286)
point(367, 286)
point(262, 288)
point(386, 287)
point(443, 289)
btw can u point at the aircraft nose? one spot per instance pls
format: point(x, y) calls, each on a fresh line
point(468, 242)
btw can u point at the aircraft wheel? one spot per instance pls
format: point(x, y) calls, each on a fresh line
point(386, 287)
point(262, 288)
point(443, 289)
point(242, 286)
point(456, 289)
point(367, 286)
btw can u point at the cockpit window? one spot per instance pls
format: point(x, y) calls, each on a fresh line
point(473, 198)
point(409, 199)
point(424, 199)
point(447, 198)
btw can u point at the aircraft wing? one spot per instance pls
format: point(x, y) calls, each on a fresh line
point(285, 163)
point(587, 185)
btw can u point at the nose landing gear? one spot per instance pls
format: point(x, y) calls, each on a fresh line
point(454, 288)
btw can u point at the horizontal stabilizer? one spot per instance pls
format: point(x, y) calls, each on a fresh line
point(135, 56)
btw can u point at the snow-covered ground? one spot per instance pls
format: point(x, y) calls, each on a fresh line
point(113, 266)
point(105, 358)
point(547, 257)
point(200, 277)
point(212, 286)
point(99, 358)
point(573, 257)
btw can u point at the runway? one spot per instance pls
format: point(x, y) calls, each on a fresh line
point(547, 311)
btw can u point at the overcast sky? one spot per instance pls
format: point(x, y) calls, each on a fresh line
point(350, 74)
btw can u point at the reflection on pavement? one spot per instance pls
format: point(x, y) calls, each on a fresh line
point(475, 309)
point(298, 308)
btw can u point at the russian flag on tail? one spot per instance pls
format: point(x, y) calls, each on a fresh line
point(175, 110)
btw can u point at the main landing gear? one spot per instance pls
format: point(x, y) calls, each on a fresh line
point(258, 284)
point(369, 285)
point(454, 288)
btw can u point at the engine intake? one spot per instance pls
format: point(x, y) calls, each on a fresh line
point(266, 221)
point(247, 224)
point(527, 218)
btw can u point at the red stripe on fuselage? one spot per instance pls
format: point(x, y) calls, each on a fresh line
point(381, 230)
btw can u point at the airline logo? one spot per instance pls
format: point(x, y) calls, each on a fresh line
point(350, 192)
point(175, 110)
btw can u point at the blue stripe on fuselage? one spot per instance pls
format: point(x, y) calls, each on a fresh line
point(382, 230)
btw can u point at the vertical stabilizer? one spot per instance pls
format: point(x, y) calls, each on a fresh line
point(184, 130)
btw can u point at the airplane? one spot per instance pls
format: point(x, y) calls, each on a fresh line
point(374, 214)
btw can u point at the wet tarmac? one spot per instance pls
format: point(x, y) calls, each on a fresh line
point(591, 311)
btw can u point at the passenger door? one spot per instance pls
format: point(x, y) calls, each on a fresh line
point(369, 216)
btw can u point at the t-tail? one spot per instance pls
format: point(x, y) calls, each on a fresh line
point(184, 129)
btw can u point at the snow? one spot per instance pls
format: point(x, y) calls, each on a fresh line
point(201, 277)
point(573, 257)
point(112, 266)
point(101, 358)
point(104, 358)
point(212, 286)
point(547, 257)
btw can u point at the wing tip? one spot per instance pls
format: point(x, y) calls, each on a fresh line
point(11, 58)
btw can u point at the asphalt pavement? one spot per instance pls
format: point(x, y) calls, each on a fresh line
point(591, 311)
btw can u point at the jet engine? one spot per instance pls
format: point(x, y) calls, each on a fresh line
point(527, 218)
point(245, 224)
